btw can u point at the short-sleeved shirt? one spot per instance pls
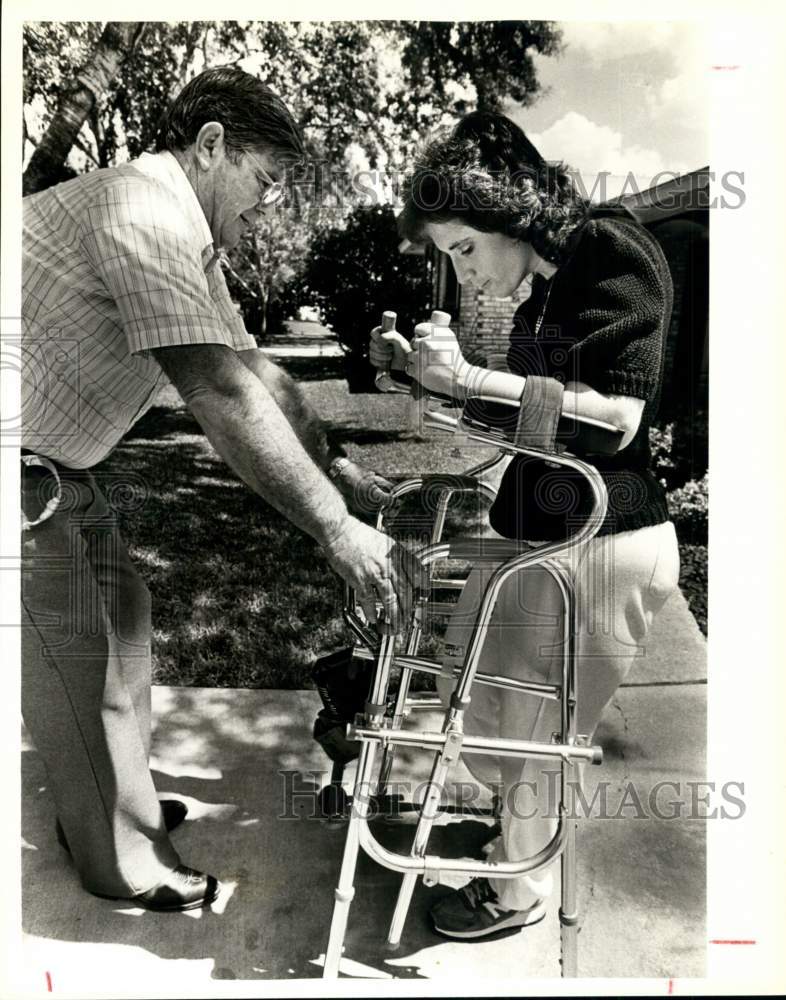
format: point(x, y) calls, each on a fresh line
point(115, 262)
point(602, 320)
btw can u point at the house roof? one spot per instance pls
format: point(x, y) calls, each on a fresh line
point(687, 193)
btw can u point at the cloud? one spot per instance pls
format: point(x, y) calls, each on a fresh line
point(683, 99)
point(603, 40)
point(680, 49)
point(593, 149)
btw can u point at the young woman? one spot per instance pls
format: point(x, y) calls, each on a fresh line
point(596, 321)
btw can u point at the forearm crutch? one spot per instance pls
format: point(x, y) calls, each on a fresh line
point(568, 746)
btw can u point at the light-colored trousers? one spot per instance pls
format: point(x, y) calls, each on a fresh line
point(621, 583)
point(86, 685)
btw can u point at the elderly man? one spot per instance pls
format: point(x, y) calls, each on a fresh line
point(120, 293)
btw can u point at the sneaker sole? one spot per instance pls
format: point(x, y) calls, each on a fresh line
point(504, 925)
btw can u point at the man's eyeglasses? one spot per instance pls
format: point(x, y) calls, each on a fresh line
point(270, 191)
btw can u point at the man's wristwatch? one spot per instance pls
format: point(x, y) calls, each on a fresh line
point(337, 467)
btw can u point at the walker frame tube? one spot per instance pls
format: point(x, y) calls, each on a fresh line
point(451, 741)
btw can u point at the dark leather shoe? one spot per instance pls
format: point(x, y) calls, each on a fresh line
point(183, 889)
point(174, 812)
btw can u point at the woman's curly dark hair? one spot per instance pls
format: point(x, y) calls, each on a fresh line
point(486, 174)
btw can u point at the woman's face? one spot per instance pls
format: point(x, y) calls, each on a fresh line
point(494, 263)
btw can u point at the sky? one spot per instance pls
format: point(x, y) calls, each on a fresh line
point(625, 97)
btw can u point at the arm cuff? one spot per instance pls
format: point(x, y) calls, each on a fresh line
point(541, 406)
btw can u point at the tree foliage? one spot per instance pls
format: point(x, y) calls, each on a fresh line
point(377, 84)
point(262, 270)
point(492, 58)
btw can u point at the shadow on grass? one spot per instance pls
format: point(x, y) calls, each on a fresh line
point(366, 435)
point(252, 824)
point(162, 422)
point(240, 597)
point(305, 369)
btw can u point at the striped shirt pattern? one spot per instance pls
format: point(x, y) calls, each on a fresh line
point(115, 262)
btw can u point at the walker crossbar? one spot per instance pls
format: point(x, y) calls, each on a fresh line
point(373, 728)
point(481, 744)
point(548, 691)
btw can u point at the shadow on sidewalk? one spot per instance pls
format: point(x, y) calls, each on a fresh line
point(251, 823)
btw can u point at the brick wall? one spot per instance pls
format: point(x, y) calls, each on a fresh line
point(485, 321)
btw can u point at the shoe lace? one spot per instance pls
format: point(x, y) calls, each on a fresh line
point(188, 876)
point(477, 892)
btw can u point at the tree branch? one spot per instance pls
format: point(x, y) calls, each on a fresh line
point(224, 261)
point(83, 147)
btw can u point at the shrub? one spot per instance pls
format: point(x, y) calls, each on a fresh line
point(693, 581)
point(661, 444)
point(688, 508)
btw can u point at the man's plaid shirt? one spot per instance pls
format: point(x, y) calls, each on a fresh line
point(115, 262)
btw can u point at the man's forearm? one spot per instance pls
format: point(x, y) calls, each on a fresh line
point(248, 430)
point(304, 420)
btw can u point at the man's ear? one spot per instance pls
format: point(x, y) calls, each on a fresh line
point(209, 148)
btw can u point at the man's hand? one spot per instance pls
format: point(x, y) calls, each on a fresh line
point(377, 567)
point(436, 361)
point(364, 490)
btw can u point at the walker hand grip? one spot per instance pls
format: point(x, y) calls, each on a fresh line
point(581, 435)
point(385, 380)
point(389, 380)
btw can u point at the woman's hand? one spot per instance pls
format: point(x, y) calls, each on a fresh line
point(436, 361)
point(388, 350)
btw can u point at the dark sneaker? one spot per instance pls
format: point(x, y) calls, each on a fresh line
point(475, 912)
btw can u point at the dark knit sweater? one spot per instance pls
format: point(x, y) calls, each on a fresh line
point(605, 325)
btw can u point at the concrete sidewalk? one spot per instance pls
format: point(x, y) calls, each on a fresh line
point(246, 765)
point(303, 340)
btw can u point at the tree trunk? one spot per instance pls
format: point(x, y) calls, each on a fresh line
point(78, 99)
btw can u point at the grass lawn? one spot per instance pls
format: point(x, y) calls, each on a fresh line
point(240, 597)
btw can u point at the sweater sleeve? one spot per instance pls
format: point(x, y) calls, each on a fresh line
point(622, 311)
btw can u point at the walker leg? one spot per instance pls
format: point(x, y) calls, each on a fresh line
point(568, 914)
point(388, 752)
point(346, 889)
point(408, 884)
point(428, 814)
point(412, 646)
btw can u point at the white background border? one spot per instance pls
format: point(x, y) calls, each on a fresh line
point(747, 691)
